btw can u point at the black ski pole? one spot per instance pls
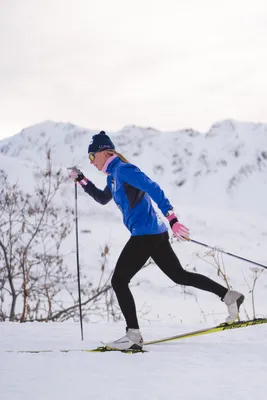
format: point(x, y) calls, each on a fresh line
point(229, 254)
point(77, 257)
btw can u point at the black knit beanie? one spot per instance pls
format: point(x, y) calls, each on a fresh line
point(100, 142)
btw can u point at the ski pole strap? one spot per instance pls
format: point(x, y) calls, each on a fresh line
point(229, 254)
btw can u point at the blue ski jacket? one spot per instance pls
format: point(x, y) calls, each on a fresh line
point(132, 191)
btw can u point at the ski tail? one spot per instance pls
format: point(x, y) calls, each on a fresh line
point(222, 327)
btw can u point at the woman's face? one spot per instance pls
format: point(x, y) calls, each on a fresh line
point(99, 159)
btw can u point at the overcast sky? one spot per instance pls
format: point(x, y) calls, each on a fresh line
point(103, 64)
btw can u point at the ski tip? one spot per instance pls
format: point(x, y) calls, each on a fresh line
point(100, 349)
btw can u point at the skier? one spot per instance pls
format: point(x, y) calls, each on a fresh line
point(132, 191)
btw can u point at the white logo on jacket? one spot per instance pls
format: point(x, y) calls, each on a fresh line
point(113, 186)
point(160, 222)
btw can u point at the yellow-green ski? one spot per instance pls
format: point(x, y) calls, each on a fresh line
point(104, 349)
point(218, 328)
point(101, 349)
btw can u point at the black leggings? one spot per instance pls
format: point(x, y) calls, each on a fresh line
point(135, 254)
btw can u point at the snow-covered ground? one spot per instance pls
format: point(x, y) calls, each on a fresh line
point(218, 366)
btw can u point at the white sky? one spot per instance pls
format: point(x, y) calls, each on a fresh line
point(104, 64)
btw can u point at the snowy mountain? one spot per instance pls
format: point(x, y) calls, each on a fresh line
point(225, 167)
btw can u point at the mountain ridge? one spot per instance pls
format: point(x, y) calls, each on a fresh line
point(226, 166)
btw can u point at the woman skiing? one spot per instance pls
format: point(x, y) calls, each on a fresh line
point(132, 191)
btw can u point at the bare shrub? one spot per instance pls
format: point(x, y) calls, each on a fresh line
point(34, 278)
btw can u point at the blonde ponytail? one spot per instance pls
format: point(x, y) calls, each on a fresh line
point(121, 157)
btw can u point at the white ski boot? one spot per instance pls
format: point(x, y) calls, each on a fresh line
point(233, 300)
point(132, 340)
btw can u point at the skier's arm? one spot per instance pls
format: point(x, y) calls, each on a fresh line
point(134, 177)
point(101, 196)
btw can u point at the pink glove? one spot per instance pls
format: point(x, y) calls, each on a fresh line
point(77, 175)
point(179, 230)
point(73, 175)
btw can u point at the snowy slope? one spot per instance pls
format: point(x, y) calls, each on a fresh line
point(217, 182)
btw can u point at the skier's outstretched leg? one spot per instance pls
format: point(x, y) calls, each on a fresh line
point(168, 262)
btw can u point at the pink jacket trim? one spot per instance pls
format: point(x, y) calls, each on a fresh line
point(83, 182)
